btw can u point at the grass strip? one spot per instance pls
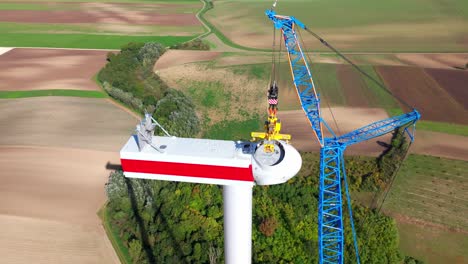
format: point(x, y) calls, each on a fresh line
point(448, 128)
point(58, 92)
point(113, 235)
point(85, 41)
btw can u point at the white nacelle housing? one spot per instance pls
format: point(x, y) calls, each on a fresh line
point(276, 167)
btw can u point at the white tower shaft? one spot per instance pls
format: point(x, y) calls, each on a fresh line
point(237, 224)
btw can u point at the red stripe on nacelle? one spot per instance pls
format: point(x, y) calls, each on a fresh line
point(188, 170)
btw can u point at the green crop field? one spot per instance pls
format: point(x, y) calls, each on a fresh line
point(82, 32)
point(57, 92)
point(13, 2)
point(86, 41)
point(434, 191)
point(353, 25)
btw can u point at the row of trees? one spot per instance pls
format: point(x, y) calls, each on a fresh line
point(196, 44)
point(129, 78)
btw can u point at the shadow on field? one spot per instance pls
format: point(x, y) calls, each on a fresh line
point(114, 167)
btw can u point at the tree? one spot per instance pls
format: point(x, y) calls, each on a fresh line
point(150, 53)
point(135, 251)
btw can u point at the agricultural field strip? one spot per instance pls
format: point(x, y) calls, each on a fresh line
point(441, 200)
point(113, 30)
point(422, 192)
point(236, 20)
point(422, 210)
point(442, 214)
point(454, 196)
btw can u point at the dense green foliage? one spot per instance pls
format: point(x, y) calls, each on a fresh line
point(411, 260)
point(85, 41)
point(55, 92)
point(175, 112)
point(167, 222)
point(196, 44)
point(128, 76)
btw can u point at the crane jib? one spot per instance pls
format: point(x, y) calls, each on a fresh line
point(332, 168)
point(300, 71)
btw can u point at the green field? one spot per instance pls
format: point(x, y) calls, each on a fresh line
point(93, 29)
point(353, 25)
point(86, 41)
point(58, 92)
point(102, 35)
point(433, 191)
point(14, 2)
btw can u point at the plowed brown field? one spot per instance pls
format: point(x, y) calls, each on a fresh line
point(296, 124)
point(48, 203)
point(53, 157)
point(104, 16)
point(417, 88)
point(106, 13)
point(454, 81)
point(37, 69)
point(72, 122)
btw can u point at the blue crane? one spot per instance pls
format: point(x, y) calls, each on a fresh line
point(332, 167)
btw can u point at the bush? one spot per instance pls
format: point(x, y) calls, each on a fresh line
point(176, 113)
point(124, 97)
point(150, 53)
point(196, 44)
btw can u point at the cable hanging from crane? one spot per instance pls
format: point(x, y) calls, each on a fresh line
point(325, 43)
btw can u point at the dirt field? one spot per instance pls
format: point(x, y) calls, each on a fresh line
point(441, 145)
point(97, 16)
point(53, 155)
point(48, 203)
point(114, 13)
point(178, 57)
point(156, 19)
point(440, 60)
point(367, 26)
point(36, 69)
point(454, 81)
point(295, 123)
point(64, 122)
point(416, 87)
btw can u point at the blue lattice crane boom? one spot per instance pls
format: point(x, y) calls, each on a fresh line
point(332, 169)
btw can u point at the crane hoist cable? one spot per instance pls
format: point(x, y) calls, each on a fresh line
point(325, 43)
point(318, 87)
point(273, 124)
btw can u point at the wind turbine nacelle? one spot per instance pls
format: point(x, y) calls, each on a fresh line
point(209, 161)
point(277, 166)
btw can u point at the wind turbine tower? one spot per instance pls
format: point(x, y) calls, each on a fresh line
point(236, 165)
